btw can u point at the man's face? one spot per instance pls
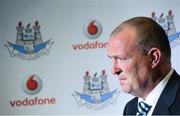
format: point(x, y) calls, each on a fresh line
point(131, 66)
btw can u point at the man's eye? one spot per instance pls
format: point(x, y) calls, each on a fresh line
point(120, 58)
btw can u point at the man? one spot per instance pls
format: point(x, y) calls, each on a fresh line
point(141, 57)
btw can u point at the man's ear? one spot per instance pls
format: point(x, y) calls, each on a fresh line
point(155, 56)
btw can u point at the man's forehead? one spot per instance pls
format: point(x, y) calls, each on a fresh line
point(127, 34)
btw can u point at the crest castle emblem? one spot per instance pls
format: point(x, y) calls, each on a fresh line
point(167, 22)
point(96, 93)
point(29, 43)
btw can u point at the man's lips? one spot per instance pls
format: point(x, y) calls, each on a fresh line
point(122, 78)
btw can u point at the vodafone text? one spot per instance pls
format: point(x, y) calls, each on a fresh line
point(90, 45)
point(32, 102)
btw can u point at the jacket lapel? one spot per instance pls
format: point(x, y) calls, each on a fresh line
point(167, 97)
point(131, 107)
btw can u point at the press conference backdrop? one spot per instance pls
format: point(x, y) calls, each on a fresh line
point(53, 56)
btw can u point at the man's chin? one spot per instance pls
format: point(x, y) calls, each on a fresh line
point(126, 90)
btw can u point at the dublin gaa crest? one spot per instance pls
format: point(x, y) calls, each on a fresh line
point(29, 43)
point(96, 93)
point(167, 22)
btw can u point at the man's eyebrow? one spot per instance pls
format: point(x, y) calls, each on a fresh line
point(109, 56)
point(114, 56)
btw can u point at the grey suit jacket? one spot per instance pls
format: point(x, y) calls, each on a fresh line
point(168, 103)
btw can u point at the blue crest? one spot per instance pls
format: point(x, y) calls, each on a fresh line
point(96, 93)
point(167, 22)
point(29, 43)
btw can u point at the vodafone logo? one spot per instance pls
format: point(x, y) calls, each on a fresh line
point(92, 29)
point(32, 84)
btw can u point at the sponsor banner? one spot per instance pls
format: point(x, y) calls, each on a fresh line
point(80, 46)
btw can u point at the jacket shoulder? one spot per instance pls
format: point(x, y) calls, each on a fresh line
point(131, 107)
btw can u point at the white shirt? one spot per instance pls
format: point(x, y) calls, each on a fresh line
point(154, 95)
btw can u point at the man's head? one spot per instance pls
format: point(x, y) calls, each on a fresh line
point(139, 49)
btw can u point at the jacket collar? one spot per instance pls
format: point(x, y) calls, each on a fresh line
point(168, 95)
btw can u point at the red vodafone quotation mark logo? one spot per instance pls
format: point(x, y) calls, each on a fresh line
point(32, 84)
point(93, 29)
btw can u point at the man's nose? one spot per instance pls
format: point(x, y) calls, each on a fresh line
point(116, 70)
